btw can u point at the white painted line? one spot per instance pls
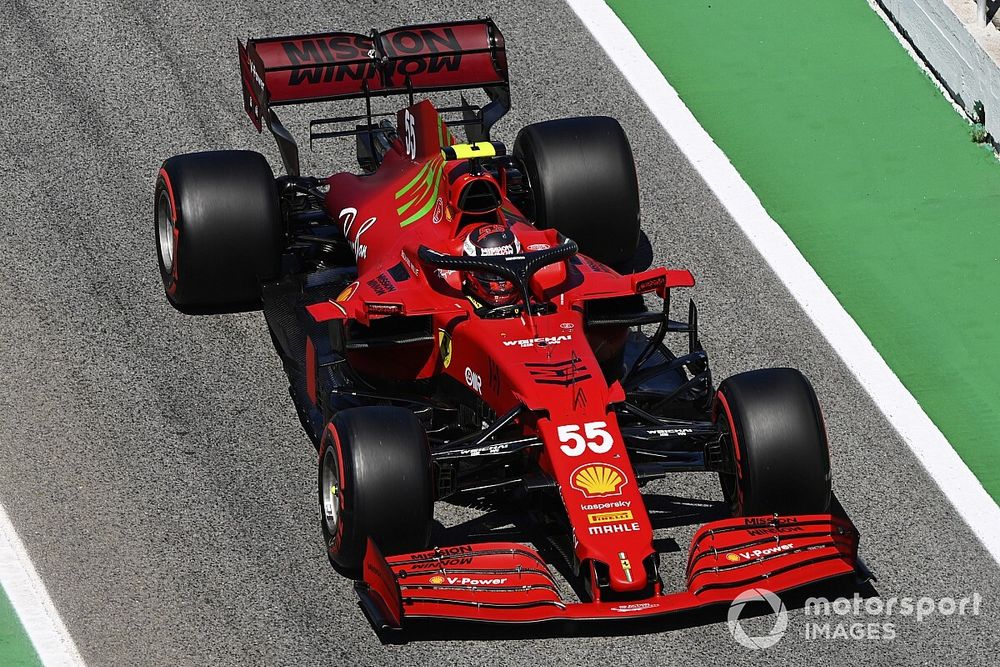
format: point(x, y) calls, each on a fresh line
point(926, 441)
point(31, 601)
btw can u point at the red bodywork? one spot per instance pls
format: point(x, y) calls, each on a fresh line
point(507, 361)
point(545, 362)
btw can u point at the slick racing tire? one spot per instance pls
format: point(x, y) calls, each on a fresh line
point(375, 481)
point(775, 440)
point(582, 179)
point(218, 230)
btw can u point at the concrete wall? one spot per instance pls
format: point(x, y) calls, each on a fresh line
point(963, 55)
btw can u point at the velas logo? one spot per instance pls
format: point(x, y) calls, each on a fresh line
point(598, 479)
point(757, 595)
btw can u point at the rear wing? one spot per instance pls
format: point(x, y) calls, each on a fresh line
point(339, 65)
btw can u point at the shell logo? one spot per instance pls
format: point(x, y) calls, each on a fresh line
point(598, 479)
point(437, 579)
point(732, 558)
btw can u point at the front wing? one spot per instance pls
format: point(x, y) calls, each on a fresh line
point(506, 582)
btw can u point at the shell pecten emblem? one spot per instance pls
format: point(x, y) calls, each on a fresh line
point(598, 479)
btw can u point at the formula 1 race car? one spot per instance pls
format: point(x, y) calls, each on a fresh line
point(463, 324)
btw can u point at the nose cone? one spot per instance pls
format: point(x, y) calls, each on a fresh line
point(625, 576)
point(600, 493)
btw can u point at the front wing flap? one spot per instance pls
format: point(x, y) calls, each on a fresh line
point(506, 582)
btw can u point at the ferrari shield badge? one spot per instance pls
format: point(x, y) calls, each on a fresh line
point(444, 342)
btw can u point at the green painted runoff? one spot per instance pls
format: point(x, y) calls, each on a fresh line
point(15, 647)
point(870, 172)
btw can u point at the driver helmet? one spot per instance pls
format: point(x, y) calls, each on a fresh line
point(487, 241)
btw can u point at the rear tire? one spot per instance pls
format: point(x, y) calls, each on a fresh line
point(218, 230)
point(777, 444)
point(583, 183)
point(375, 482)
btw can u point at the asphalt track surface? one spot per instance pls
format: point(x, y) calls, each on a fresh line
point(152, 462)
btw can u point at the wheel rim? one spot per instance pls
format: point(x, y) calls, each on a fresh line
point(330, 492)
point(165, 233)
point(730, 489)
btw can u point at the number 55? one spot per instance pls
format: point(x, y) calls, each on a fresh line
point(411, 135)
point(597, 439)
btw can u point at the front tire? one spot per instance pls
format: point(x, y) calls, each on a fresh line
point(777, 445)
point(218, 230)
point(375, 482)
point(583, 183)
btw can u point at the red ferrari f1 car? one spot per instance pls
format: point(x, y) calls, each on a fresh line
point(465, 325)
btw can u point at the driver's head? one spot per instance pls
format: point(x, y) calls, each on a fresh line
point(487, 241)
